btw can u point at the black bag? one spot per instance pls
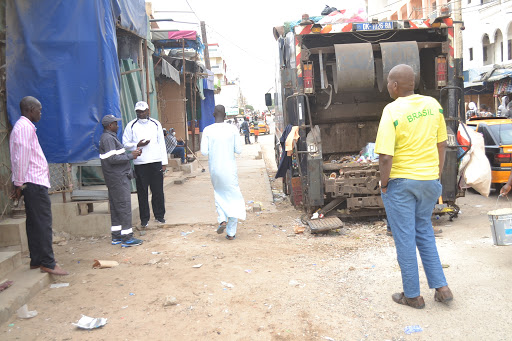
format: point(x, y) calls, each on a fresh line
point(328, 10)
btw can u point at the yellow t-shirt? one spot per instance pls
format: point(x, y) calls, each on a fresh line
point(409, 130)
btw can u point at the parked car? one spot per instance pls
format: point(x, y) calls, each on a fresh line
point(263, 128)
point(497, 133)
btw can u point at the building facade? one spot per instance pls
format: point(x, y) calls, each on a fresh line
point(488, 33)
point(406, 9)
point(218, 65)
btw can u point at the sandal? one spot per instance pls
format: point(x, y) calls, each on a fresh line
point(416, 302)
point(443, 295)
point(230, 237)
point(221, 228)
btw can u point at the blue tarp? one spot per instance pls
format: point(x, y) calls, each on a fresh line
point(207, 107)
point(66, 58)
point(133, 16)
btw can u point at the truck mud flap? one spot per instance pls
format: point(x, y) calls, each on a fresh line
point(325, 224)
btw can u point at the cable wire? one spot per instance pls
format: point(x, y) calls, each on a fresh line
point(193, 11)
point(237, 46)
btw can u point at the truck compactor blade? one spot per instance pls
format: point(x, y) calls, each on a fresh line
point(355, 68)
point(404, 52)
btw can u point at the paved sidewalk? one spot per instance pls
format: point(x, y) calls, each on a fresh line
point(193, 202)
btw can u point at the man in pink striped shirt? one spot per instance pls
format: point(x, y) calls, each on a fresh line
point(31, 178)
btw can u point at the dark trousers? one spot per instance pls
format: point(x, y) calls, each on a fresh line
point(247, 139)
point(119, 197)
point(179, 152)
point(38, 209)
point(151, 175)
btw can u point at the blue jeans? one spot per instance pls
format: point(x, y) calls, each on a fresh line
point(179, 152)
point(409, 205)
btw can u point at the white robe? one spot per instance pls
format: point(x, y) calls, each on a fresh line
point(220, 142)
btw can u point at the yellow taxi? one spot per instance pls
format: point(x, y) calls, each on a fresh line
point(262, 127)
point(497, 133)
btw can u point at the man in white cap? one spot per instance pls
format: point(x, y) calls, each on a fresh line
point(117, 170)
point(150, 166)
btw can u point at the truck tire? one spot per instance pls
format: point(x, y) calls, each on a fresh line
point(277, 151)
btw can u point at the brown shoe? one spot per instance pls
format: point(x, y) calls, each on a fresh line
point(32, 267)
point(416, 302)
point(443, 294)
point(58, 271)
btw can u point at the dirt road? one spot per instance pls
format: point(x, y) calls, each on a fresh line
point(269, 283)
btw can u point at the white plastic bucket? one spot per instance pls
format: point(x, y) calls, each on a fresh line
point(501, 226)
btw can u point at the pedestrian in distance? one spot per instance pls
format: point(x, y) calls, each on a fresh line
point(485, 111)
point(117, 171)
point(150, 165)
point(411, 143)
point(31, 178)
point(256, 130)
point(220, 142)
point(472, 111)
point(246, 130)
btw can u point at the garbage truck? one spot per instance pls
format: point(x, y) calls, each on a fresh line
point(331, 84)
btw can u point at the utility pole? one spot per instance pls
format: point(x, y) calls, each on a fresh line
point(457, 17)
point(205, 42)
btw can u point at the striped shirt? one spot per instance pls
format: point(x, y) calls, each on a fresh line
point(170, 143)
point(27, 158)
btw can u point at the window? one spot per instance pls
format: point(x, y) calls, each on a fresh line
point(501, 52)
point(469, 1)
point(503, 132)
point(510, 49)
point(470, 53)
point(485, 53)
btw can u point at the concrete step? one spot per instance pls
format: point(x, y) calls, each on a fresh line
point(9, 260)
point(190, 167)
point(174, 164)
point(12, 233)
point(27, 283)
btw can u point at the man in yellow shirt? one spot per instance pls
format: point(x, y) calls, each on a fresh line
point(411, 143)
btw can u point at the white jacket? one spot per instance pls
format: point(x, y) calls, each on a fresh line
point(149, 129)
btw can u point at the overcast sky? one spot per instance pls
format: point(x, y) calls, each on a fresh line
point(243, 29)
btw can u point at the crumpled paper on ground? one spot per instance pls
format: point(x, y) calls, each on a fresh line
point(87, 322)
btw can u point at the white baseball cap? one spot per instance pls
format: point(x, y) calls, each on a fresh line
point(141, 106)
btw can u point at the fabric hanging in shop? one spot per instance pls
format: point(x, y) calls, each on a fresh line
point(503, 87)
point(169, 71)
point(207, 107)
point(208, 83)
point(200, 89)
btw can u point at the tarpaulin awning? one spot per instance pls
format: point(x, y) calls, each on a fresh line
point(132, 14)
point(174, 35)
point(498, 74)
point(66, 58)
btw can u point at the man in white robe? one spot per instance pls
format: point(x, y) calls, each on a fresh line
point(220, 142)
